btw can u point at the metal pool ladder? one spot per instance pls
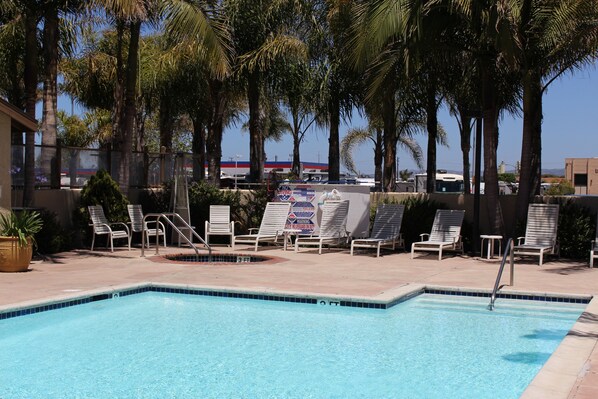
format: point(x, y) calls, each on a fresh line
point(165, 217)
point(508, 252)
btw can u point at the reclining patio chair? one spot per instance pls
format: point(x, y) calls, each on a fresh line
point(333, 228)
point(220, 224)
point(137, 225)
point(386, 231)
point(540, 232)
point(445, 234)
point(271, 228)
point(101, 226)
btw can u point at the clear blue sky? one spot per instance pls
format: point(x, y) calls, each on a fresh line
point(570, 129)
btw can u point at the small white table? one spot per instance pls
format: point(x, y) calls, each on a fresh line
point(288, 233)
point(490, 244)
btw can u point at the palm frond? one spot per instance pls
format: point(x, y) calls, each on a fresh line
point(187, 22)
point(353, 139)
point(275, 48)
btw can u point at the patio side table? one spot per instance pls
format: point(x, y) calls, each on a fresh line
point(490, 239)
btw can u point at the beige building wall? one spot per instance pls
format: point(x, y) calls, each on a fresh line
point(583, 174)
point(5, 181)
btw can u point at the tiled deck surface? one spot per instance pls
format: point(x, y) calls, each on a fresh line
point(572, 372)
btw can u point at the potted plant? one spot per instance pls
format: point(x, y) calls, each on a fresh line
point(16, 240)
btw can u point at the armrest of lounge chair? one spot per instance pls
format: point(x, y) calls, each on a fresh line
point(121, 224)
point(424, 235)
point(252, 230)
point(94, 225)
point(520, 240)
point(457, 241)
point(158, 224)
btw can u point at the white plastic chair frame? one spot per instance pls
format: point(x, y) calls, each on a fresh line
point(540, 232)
point(220, 224)
point(386, 231)
point(271, 227)
point(137, 226)
point(333, 227)
point(445, 234)
point(101, 226)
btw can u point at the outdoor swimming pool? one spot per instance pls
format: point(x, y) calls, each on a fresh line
point(159, 345)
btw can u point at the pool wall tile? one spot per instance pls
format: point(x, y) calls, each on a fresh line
point(344, 302)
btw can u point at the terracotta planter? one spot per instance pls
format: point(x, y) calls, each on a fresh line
point(14, 258)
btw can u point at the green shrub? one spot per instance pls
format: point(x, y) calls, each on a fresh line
point(202, 195)
point(418, 217)
point(156, 201)
point(52, 238)
point(576, 230)
point(102, 190)
point(563, 188)
point(255, 205)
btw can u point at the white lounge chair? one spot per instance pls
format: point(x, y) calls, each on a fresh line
point(220, 224)
point(333, 227)
point(137, 225)
point(445, 234)
point(540, 232)
point(101, 226)
point(271, 228)
point(386, 231)
point(594, 250)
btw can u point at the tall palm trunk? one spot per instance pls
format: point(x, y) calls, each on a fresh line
point(378, 158)
point(490, 115)
point(531, 145)
point(432, 127)
point(30, 73)
point(119, 84)
point(296, 166)
point(334, 154)
point(166, 121)
point(465, 132)
point(390, 140)
point(256, 135)
point(218, 103)
point(130, 107)
point(198, 148)
point(50, 94)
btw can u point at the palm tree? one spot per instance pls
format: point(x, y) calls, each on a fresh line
point(488, 28)
point(554, 38)
point(358, 136)
point(263, 35)
point(27, 12)
point(408, 123)
point(338, 82)
point(401, 47)
point(54, 15)
point(297, 89)
point(205, 48)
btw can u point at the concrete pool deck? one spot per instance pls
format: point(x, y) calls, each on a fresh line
point(572, 371)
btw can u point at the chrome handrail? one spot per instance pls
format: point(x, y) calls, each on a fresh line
point(508, 251)
point(185, 225)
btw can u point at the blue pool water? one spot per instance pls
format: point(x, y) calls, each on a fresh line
point(156, 345)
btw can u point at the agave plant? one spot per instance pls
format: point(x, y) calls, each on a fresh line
point(23, 225)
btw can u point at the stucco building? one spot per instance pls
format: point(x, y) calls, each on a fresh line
point(583, 174)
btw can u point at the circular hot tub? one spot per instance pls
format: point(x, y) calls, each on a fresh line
point(217, 258)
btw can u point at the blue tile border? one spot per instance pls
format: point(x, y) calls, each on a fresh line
point(525, 297)
point(281, 298)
